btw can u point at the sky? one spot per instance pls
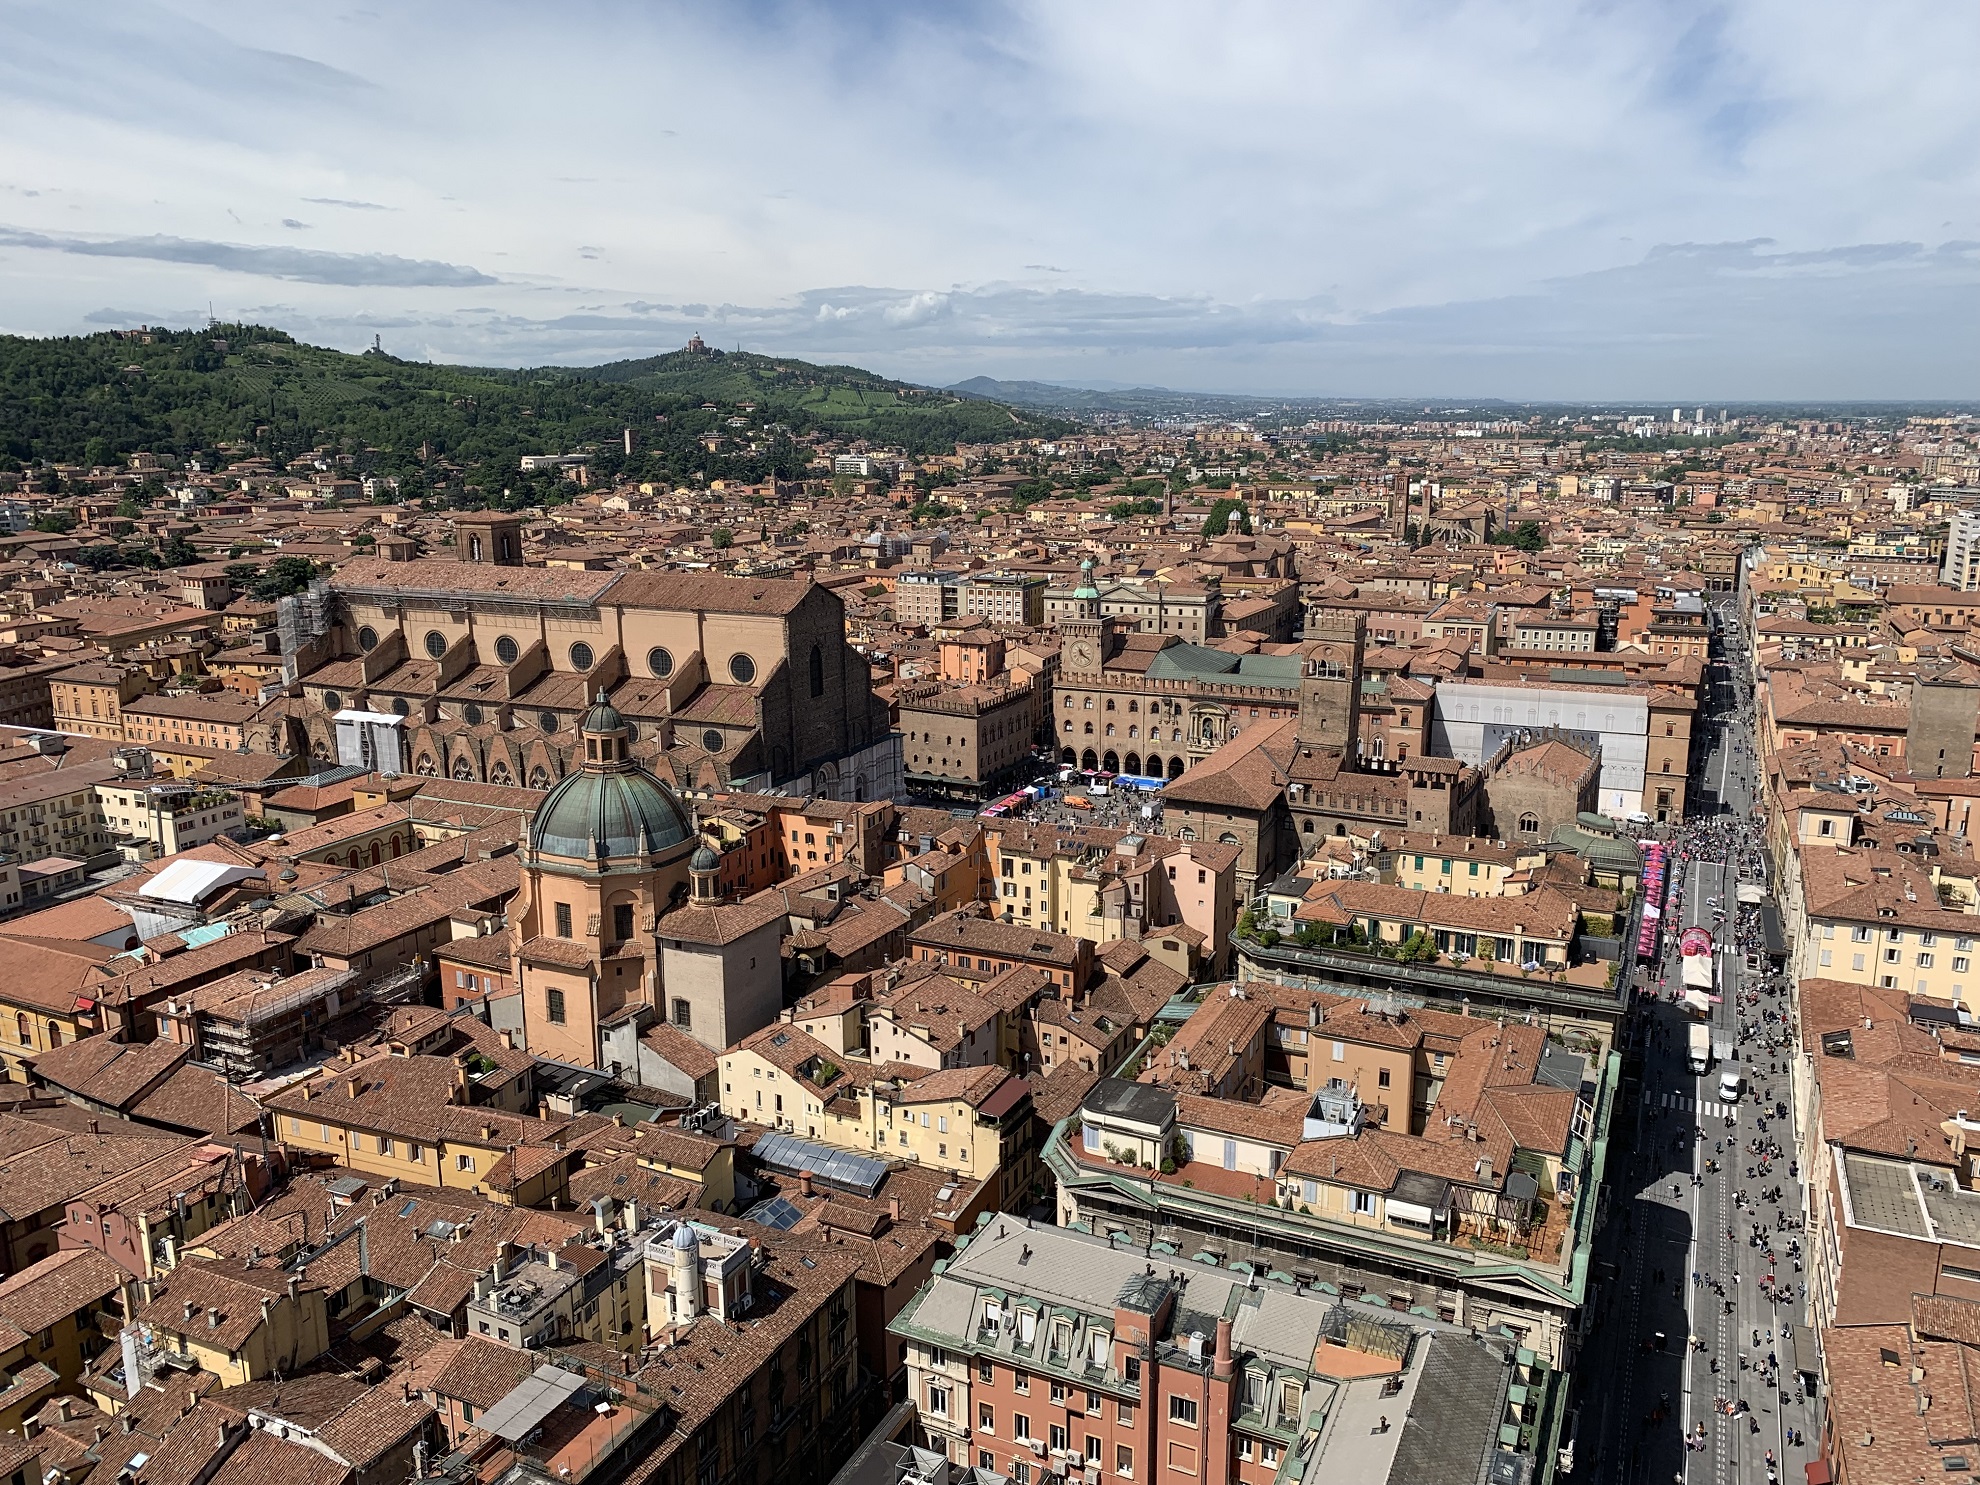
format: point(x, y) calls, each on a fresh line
point(1620, 199)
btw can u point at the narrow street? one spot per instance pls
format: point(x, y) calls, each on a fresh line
point(1700, 1282)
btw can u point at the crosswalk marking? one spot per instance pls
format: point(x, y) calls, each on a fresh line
point(1684, 1103)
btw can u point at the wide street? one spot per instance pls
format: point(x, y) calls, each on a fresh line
point(1684, 1324)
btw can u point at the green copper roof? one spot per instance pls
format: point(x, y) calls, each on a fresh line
point(592, 815)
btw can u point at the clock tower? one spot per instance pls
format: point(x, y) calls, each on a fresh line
point(1083, 634)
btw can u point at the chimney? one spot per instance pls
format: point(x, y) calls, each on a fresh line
point(894, 1208)
point(212, 1318)
point(191, 1310)
point(94, 1128)
point(353, 1086)
point(598, 1218)
point(293, 1284)
point(804, 1183)
point(631, 1213)
point(1313, 1014)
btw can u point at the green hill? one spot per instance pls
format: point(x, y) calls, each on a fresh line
point(245, 389)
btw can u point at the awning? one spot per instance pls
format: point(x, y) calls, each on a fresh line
point(1699, 1001)
point(1807, 1356)
point(1772, 931)
point(1409, 1211)
point(1817, 1472)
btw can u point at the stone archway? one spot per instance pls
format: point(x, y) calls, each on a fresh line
point(1110, 762)
point(1133, 762)
point(1068, 757)
point(1175, 768)
point(1089, 760)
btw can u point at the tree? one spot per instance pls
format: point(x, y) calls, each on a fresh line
point(285, 576)
point(95, 559)
point(176, 551)
point(1526, 536)
point(129, 510)
point(57, 522)
point(721, 538)
point(1225, 515)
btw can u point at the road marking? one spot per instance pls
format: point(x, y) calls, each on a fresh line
point(1685, 1103)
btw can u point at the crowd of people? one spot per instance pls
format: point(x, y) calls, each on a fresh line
point(1759, 1168)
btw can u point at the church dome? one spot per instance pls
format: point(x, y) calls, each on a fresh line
point(593, 814)
point(704, 859)
point(609, 807)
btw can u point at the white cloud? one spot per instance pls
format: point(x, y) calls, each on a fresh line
point(1457, 195)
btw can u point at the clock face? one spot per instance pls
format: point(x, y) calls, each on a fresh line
point(1082, 652)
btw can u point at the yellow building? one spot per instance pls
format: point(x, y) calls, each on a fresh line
point(406, 1117)
point(236, 1319)
point(51, 1315)
point(970, 1121)
point(1464, 865)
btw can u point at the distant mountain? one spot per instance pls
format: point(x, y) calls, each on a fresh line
point(839, 399)
point(1082, 396)
point(249, 389)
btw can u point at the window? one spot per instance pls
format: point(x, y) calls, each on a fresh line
point(1340, 1051)
point(622, 920)
point(1382, 1077)
point(463, 1162)
point(436, 643)
point(986, 1418)
point(938, 1399)
point(660, 663)
point(1859, 935)
point(367, 639)
point(553, 1006)
point(742, 669)
point(1364, 1203)
point(1123, 1460)
point(384, 1145)
point(581, 656)
point(563, 920)
point(683, 1014)
point(1182, 1410)
point(1057, 1436)
point(1924, 961)
point(986, 1371)
point(1020, 1381)
point(1021, 1428)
